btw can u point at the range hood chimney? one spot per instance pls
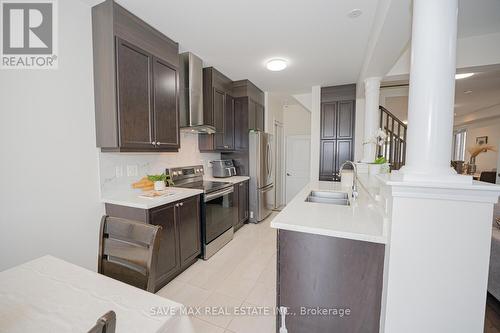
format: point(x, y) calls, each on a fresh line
point(191, 94)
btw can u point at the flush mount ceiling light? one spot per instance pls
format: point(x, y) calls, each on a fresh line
point(355, 13)
point(463, 76)
point(276, 64)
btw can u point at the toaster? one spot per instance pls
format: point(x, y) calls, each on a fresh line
point(223, 168)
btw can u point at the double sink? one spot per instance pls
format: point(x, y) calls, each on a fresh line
point(327, 197)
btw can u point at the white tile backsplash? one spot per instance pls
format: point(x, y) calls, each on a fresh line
point(150, 163)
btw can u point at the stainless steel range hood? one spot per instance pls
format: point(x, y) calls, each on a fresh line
point(191, 94)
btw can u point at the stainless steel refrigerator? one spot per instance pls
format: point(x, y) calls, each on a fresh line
point(261, 175)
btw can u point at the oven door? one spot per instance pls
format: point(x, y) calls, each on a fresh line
point(220, 213)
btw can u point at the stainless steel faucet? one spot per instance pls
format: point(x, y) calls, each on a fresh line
point(354, 178)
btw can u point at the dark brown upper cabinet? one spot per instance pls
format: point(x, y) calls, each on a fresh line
point(248, 111)
point(241, 126)
point(136, 83)
point(166, 110)
point(337, 129)
point(259, 117)
point(329, 120)
point(228, 137)
point(133, 76)
point(218, 111)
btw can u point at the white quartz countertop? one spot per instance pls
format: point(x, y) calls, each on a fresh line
point(361, 220)
point(233, 179)
point(131, 197)
point(51, 295)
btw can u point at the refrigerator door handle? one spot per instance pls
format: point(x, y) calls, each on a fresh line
point(266, 188)
point(270, 155)
point(267, 160)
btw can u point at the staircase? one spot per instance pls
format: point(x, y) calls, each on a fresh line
point(394, 147)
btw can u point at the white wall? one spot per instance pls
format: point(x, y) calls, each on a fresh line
point(49, 200)
point(491, 129)
point(151, 163)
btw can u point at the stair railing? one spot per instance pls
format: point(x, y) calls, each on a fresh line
point(394, 147)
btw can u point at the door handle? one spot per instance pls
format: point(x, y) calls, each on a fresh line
point(288, 174)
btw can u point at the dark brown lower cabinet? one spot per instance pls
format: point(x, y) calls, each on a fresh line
point(168, 256)
point(180, 242)
point(241, 193)
point(188, 222)
point(321, 273)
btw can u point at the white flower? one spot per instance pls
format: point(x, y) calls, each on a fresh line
point(379, 138)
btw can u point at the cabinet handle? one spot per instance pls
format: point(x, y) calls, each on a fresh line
point(158, 143)
point(182, 204)
point(241, 184)
point(153, 143)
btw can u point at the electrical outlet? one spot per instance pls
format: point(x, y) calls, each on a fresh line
point(132, 170)
point(118, 171)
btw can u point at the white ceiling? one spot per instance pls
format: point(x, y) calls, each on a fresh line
point(478, 17)
point(323, 45)
point(485, 87)
point(484, 84)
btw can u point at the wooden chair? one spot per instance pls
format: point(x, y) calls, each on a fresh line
point(128, 251)
point(105, 324)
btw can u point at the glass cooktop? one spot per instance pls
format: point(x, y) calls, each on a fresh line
point(206, 186)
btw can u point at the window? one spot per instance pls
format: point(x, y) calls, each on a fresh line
point(459, 139)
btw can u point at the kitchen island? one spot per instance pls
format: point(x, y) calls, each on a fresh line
point(331, 260)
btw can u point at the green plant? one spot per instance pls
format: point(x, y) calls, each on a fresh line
point(380, 160)
point(157, 178)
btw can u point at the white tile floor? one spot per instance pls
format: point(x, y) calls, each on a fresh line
point(243, 273)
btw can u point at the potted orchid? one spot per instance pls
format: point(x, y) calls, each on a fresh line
point(375, 168)
point(378, 139)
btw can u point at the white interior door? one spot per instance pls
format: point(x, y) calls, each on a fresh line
point(298, 155)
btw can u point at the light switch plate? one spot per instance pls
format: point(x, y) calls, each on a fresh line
point(118, 171)
point(132, 170)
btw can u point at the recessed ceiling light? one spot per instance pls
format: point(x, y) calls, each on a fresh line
point(276, 64)
point(468, 92)
point(355, 13)
point(463, 76)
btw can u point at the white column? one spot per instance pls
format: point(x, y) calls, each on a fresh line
point(315, 132)
point(432, 92)
point(372, 114)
